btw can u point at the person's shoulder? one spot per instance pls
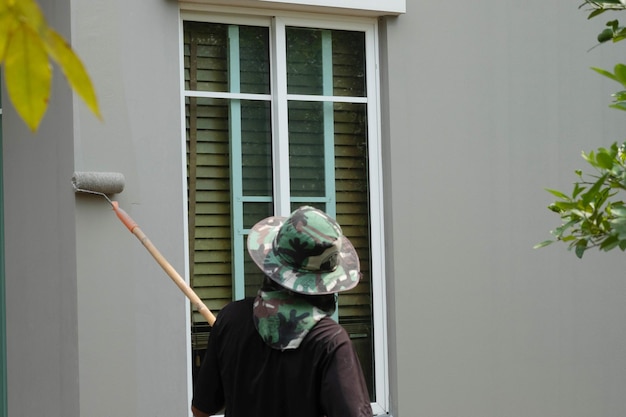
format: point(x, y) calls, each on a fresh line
point(328, 331)
point(234, 310)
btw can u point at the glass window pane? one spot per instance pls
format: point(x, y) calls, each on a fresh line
point(304, 61)
point(295, 205)
point(325, 62)
point(254, 59)
point(253, 275)
point(206, 65)
point(352, 205)
point(256, 148)
point(306, 149)
point(208, 48)
point(349, 64)
point(255, 212)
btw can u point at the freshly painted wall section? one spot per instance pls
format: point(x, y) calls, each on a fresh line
point(94, 326)
point(40, 262)
point(132, 320)
point(488, 104)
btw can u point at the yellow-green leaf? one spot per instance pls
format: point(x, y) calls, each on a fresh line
point(8, 21)
point(28, 75)
point(72, 68)
point(29, 13)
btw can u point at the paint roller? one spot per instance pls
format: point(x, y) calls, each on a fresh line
point(107, 183)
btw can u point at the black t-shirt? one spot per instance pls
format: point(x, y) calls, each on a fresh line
point(322, 377)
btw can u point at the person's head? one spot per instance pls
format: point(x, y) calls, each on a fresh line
point(306, 253)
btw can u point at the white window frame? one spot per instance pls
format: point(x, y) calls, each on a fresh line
point(345, 7)
point(369, 26)
point(387, 6)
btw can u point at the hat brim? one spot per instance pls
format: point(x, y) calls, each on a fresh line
point(260, 247)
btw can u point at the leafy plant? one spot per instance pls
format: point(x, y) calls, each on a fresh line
point(27, 44)
point(619, 75)
point(593, 215)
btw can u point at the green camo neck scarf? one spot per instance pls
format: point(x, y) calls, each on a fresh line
point(283, 319)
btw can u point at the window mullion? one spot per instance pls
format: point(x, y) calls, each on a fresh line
point(280, 125)
point(329, 123)
point(235, 163)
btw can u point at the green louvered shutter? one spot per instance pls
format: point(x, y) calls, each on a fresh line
point(208, 172)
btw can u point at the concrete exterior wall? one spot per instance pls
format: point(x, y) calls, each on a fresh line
point(94, 326)
point(485, 104)
point(132, 321)
point(488, 104)
point(40, 242)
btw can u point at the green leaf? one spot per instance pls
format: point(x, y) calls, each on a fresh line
point(620, 232)
point(618, 224)
point(580, 248)
point(554, 208)
point(605, 35)
point(595, 13)
point(609, 243)
point(619, 210)
point(564, 206)
point(559, 231)
point(619, 106)
point(620, 73)
point(619, 96)
point(7, 25)
point(605, 73)
point(29, 13)
point(558, 194)
point(619, 36)
point(577, 190)
point(72, 68)
point(543, 244)
point(604, 160)
point(589, 157)
point(591, 194)
point(28, 75)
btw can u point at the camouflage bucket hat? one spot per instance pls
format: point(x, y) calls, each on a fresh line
point(305, 252)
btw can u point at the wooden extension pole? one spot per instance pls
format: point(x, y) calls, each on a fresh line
point(167, 267)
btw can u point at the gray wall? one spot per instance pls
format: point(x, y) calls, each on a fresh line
point(488, 104)
point(40, 262)
point(132, 318)
point(94, 326)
